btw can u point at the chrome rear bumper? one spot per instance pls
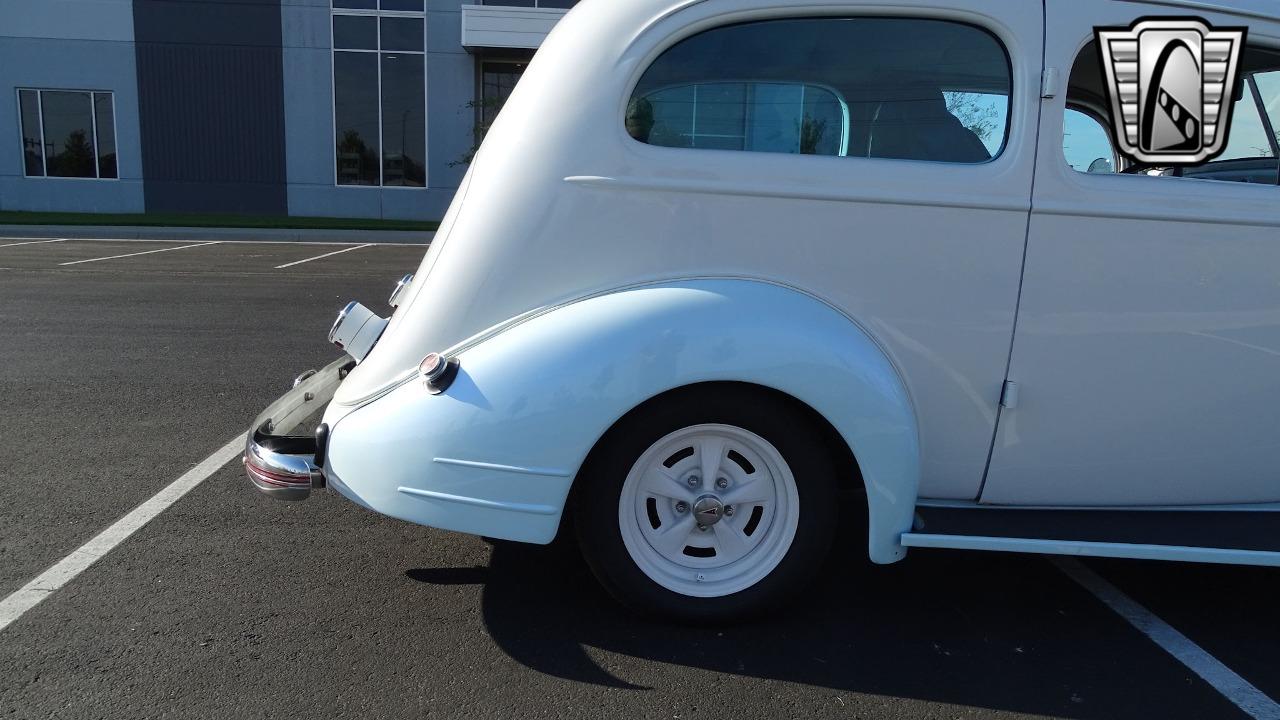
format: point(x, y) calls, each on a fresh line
point(284, 466)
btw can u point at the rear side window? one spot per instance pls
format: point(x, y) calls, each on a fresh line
point(908, 89)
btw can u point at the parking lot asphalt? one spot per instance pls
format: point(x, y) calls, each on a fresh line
point(120, 374)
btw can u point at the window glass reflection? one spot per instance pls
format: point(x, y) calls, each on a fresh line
point(68, 134)
point(409, 5)
point(1269, 89)
point(32, 155)
point(404, 121)
point(355, 88)
point(1248, 137)
point(1086, 144)
point(759, 117)
point(352, 32)
point(897, 88)
point(104, 113)
point(498, 80)
point(402, 33)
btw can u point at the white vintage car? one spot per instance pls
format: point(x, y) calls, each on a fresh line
point(721, 262)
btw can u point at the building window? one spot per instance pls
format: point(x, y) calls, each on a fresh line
point(68, 133)
point(497, 80)
point(553, 4)
point(379, 93)
point(894, 88)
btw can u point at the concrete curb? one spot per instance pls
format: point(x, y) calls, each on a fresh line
point(101, 232)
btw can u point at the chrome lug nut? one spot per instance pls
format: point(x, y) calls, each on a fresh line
point(722, 483)
point(682, 507)
point(693, 481)
point(728, 510)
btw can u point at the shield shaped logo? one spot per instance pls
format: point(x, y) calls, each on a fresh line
point(1172, 83)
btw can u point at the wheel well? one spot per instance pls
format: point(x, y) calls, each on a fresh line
point(848, 474)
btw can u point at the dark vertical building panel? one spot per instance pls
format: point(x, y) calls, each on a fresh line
point(211, 105)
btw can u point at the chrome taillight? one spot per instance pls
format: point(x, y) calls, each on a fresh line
point(398, 294)
point(438, 371)
point(356, 330)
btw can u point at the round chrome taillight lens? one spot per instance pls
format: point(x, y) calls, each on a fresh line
point(438, 371)
point(432, 366)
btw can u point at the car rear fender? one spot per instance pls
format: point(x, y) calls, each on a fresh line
point(533, 398)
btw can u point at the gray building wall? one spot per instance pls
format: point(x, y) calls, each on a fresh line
point(211, 105)
point(72, 45)
point(308, 112)
point(220, 106)
point(451, 86)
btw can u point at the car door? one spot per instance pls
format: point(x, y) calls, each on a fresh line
point(1146, 356)
point(912, 224)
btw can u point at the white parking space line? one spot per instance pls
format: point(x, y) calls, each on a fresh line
point(228, 242)
point(1223, 679)
point(144, 252)
point(335, 252)
point(33, 242)
point(63, 571)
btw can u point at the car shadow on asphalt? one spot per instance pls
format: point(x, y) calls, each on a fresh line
point(995, 631)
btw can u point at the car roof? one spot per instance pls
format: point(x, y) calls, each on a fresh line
point(1266, 9)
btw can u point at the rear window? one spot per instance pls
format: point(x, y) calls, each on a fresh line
point(908, 89)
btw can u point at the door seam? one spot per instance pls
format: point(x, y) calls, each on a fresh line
point(1026, 246)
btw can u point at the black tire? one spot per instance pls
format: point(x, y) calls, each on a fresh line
point(774, 417)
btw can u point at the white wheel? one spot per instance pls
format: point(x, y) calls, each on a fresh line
point(709, 510)
point(712, 503)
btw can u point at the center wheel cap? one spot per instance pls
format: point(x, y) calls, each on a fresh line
point(708, 510)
